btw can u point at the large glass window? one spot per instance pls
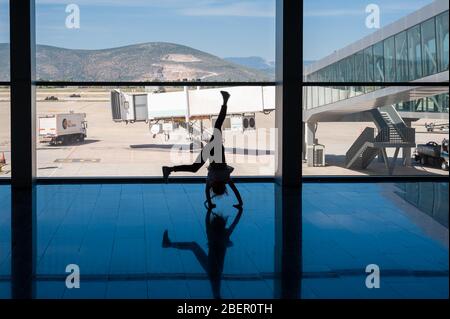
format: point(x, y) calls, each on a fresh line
point(442, 40)
point(359, 67)
point(4, 40)
point(369, 65)
point(351, 69)
point(414, 53)
point(5, 133)
point(401, 57)
point(164, 41)
point(341, 66)
point(432, 104)
point(342, 136)
point(444, 100)
point(351, 76)
point(429, 47)
point(5, 103)
point(112, 40)
point(134, 131)
point(389, 59)
point(378, 54)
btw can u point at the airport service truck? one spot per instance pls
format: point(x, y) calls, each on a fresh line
point(62, 128)
point(433, 154)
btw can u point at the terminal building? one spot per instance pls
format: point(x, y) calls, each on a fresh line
point(114, 231)
point(413, 49)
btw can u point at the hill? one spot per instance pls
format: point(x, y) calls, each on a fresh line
point(155, 61)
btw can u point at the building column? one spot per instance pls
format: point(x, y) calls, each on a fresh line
point(23, 243)
point(288, 243)
point(304, 142)
point(23, 95)
point(380, 157)
point(310, 137)
point(288, 121)
point(23, 147)
point(406, 151)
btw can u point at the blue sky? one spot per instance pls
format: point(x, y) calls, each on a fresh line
point(221, 27)
point(329, 25)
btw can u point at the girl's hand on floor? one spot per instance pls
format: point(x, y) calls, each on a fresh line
point(211, 205)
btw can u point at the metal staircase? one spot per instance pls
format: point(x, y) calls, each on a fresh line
point(392, 133)
point(361, 148)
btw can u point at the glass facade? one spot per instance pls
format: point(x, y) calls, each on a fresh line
point(378, 53)
point(389, 59)
point(314, 96)
point(359, 67)
point(414, 53)
point(429, 50)
point(433, 104)
point(401, 57)
point(419, 51)
point(442, 41)
point(368, 61)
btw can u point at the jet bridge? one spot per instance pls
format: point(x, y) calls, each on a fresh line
point(189, 104)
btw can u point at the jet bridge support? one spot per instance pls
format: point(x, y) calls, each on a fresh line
point(309, 140)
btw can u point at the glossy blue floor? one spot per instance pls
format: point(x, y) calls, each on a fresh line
point(114, 233)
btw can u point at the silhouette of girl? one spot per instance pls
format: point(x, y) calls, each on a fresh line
point(218, 242)
point(218, 170)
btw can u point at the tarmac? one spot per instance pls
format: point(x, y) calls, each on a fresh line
point(119, 149)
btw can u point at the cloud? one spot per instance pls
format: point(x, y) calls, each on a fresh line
point(333, 13)
point(237, 8)
point(116, 3)
point(389, 8)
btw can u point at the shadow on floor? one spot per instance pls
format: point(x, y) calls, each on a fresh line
point(230, 150)
point(379, 168)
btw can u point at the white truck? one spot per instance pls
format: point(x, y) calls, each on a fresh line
point(62, 128)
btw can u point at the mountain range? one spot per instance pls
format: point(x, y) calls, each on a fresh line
point(255, 62)
point(154, 61)
point(258, 63)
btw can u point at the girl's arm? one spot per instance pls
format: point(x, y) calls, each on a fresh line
point(208, 219)
point(235, 222)
point(208, 196)
point(236, 193)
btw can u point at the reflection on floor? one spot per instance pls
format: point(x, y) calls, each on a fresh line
point(114, 233)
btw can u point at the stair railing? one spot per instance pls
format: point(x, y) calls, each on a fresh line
point(366, 136)
point(391, 135)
